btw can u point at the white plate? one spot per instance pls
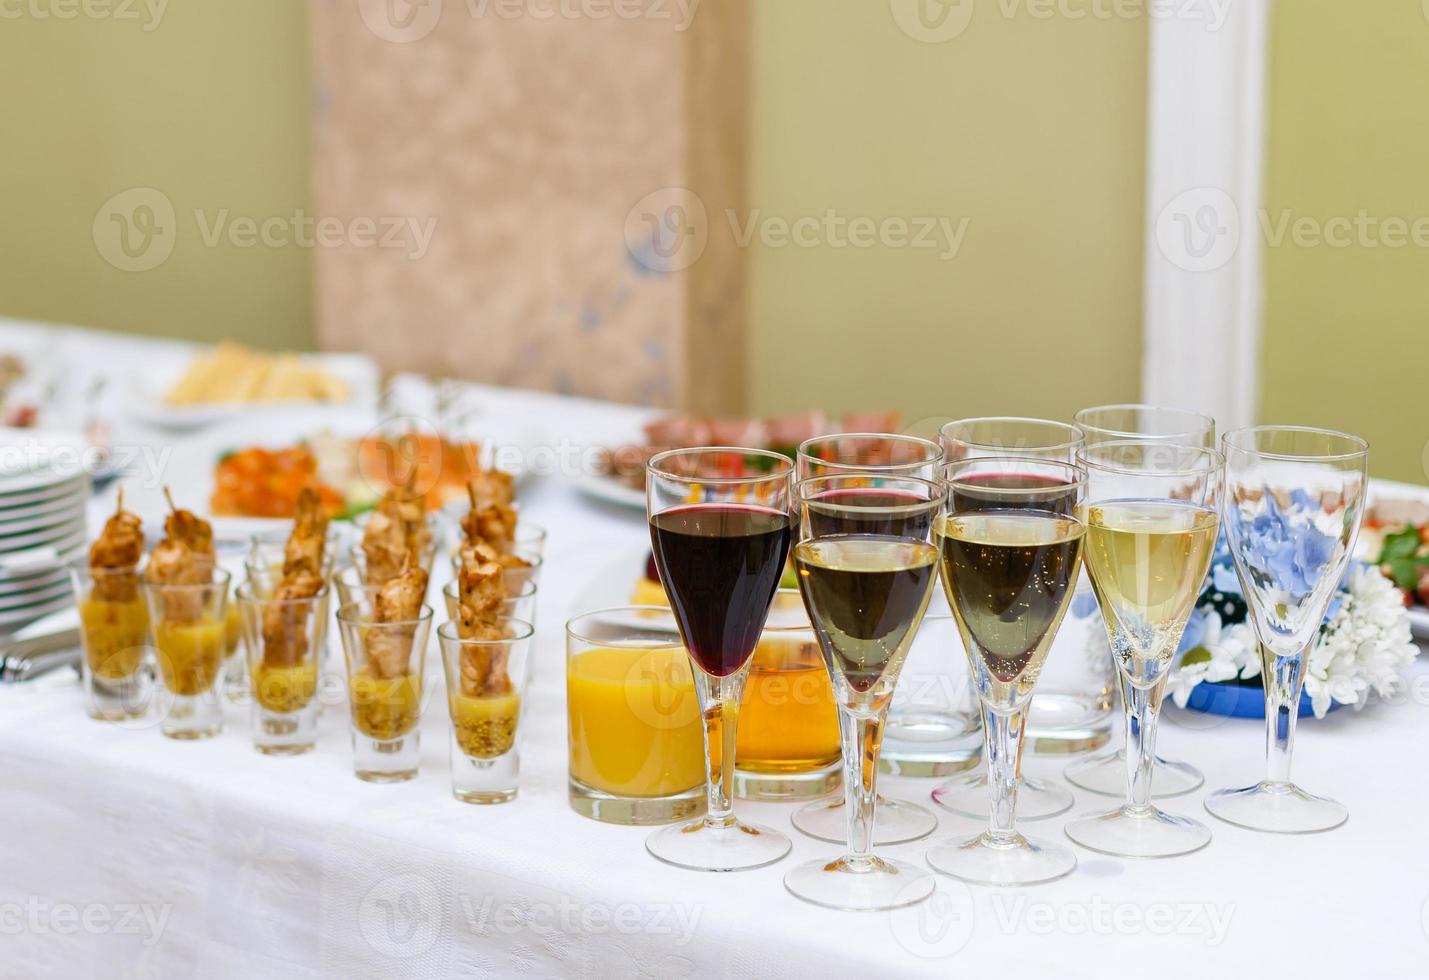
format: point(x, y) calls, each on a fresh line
point(75, 499)
point(147, 388)
point(611, 491)
point(61, 538)
point(33, 599)
point(10, 620)
point(69, 487)
point(1419, 622)
point(74, 514)
point(55, 569)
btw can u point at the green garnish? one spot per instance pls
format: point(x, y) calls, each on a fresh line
point(1400, 556)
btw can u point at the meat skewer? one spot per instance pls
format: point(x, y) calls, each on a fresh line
point(481, 594)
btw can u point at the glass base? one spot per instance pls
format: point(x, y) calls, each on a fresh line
point(1147, 833)
point(895, 821)
point(285, 734)
point(1060, 724)
point(1105, 775)
point(635, 811)
point(478, 780)
point(702, 846)
point(787, 787)
point(391, 761)
point(1016, 860)
point(878, 883)
point(924, 743)
point(124, 699)
point(971, 796)
point(1276, 808)
point(237, 684)
point(190, 719)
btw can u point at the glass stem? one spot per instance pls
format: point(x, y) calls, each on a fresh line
point(719, 699)
point(1283, 678)
point(862, 739)
point(1003, 733)
point(1143, 705)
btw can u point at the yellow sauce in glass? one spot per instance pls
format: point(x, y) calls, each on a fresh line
point(116, 635)
point(385, 708)
point(284, 690)
point(190, 654)
point(485, 728)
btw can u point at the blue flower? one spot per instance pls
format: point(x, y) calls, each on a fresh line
point(1195, 631)
point(1084, 604)
point(1285, 554)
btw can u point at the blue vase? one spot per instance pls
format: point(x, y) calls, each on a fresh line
point(1235, 701)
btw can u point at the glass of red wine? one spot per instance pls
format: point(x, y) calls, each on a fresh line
point(869, 459)
point(1064, 718)
point(720, 528)
point(867, 567)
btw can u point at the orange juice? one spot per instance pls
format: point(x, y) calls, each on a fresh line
point(634, 722)
point(788, 722)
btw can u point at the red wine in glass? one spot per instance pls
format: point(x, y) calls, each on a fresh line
point(1060, 496)
point(720, 565)
point(870, 511)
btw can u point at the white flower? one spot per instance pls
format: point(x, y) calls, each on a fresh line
point(1362, 647)
point(1222, 656)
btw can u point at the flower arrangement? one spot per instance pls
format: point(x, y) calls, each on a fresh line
point(1363, 643)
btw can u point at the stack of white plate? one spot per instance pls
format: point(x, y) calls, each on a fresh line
point(42, 530)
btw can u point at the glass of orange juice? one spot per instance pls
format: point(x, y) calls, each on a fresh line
point(633, 723)
point(787, 747)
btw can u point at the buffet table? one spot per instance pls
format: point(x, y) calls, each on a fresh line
point(129, 855)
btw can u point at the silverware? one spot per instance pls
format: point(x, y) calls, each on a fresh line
point(25, 660)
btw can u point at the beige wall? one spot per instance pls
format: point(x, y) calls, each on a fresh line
point(1347, 328)
point(1032, 129)
point(205, 102)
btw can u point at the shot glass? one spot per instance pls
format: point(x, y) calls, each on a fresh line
point(285, 639)
point(189, 626)
point(486, 680)
point(385, 668)
point(521, 605)
point(114, 632)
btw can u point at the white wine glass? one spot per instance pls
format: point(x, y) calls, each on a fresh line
point(1294, 503)
point(874, 457)
point(866, 567)
point(1010, 553)
point(1063, 716)
point(1152, 520)
point(1105, 772)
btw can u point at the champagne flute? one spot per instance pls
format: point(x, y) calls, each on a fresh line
point(1152, 521)
point(866, 567)
point(1105, 772)
point(1071, 714)
point(874, 456)
point(719, 526)
point(1009, 570)
point(1294, 504)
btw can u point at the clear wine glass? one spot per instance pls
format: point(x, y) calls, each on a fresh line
point(1010, 553)
point(720, 527)
point(1293, 507)
point(1105, 772)
point(866, 566)
point(1066, 715)
point(873, 456)
point(1152, 519)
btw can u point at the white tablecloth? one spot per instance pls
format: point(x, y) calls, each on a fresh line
point(125, 854)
